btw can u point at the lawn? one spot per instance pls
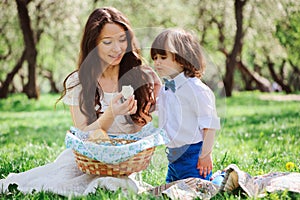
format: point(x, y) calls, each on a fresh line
point(258, 135)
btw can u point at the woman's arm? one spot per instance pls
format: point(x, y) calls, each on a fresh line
point(80, 121)
point(106, 119)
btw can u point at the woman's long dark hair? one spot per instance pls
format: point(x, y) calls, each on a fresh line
point(90, 67)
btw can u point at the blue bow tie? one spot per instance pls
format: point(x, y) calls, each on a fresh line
point(169, 85)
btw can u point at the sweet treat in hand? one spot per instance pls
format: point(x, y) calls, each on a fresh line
point(127, 91)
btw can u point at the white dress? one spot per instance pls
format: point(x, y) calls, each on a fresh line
point(62, 176)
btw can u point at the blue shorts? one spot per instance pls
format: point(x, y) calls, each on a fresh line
point(183, 162)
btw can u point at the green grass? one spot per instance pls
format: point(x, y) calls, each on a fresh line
point(265, 132)
point(259, 136)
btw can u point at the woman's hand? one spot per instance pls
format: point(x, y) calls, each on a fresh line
point(128, 107)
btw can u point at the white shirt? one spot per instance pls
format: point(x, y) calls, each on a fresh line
point(119, 126)
point(185, 113)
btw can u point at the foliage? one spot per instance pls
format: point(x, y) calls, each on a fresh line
point(10, 37)
point(56, 32)
point(260, 136)
point(62, 28)
point(288, 33)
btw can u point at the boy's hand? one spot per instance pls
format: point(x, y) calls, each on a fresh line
point(205, 165)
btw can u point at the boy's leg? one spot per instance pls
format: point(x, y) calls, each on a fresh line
point(172, 154)
point(171, 174)
point(186, 165)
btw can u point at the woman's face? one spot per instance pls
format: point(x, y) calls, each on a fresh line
point(112, 43)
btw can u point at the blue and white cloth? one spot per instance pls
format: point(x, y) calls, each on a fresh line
point(148, 137)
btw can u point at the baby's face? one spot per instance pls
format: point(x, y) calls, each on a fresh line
point(166, 66)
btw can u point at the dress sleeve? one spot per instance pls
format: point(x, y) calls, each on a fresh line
point(73, 90)
point(206, 112)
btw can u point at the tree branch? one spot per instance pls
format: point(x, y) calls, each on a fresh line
point(3, 57)
point(9, 77)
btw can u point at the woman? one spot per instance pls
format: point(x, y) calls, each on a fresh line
point(109, 59)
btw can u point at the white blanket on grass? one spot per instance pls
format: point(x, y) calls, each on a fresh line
point(63, 177)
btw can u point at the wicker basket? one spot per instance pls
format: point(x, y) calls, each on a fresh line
point(134, 164)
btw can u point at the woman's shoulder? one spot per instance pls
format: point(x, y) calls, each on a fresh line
point(147, 68)
point(72, 80)
point(73, 89)
point(150, 71)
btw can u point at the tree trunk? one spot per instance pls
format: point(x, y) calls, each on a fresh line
point(294, 79)
point(276, 78)
point(262, 83)
point(235, 56)
point(31, 53)
point(247, 81)
point(4, 90)
point(49, 75)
